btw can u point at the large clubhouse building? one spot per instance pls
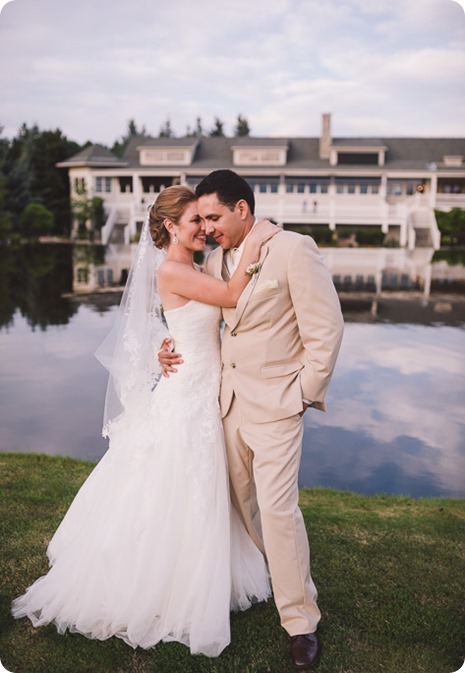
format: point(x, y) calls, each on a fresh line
point(349, 191)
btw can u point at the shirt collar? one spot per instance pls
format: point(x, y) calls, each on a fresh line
point(237, 252)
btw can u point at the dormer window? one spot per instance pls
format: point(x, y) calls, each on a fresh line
point(357, 154)
point(453, 160)
point(169, 152)
point(156, 156)
point(259, 156)
point(365, 158)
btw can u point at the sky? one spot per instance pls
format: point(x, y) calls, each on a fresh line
point(380, 67)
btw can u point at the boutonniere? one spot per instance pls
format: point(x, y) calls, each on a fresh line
point(253, 268)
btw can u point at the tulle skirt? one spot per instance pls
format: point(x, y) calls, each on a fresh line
point(150, 549)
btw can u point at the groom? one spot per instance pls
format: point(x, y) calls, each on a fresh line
point(279, 349)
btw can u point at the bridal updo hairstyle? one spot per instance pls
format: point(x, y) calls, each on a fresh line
point(169, 205)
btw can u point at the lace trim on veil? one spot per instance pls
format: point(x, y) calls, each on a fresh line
point(129, 352)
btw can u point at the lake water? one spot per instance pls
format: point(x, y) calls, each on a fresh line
point(396, 414)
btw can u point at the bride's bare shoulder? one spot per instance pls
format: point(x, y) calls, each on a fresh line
point(168, 266)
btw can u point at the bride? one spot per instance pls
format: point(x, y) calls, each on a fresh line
point(151, 549)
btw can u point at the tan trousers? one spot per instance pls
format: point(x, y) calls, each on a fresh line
point(263, 462)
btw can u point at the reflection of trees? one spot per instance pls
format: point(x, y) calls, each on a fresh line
point(7, 302)
point(453, 256)
point(89, 254)
point(33, 279)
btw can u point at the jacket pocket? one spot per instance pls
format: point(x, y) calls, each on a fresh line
point(282, 369)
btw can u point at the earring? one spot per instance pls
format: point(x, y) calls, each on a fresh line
point(175, 238)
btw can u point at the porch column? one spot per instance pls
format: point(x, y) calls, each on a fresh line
point(332, 205)
point(281, 200)
point(384, 206)
point(433, 190)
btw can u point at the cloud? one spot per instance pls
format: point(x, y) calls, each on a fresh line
point(88, 67)
point(382, 386)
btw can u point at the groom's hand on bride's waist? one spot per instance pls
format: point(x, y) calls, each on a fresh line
point(168, 358)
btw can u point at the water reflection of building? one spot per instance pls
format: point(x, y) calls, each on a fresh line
point(377, 269)
point(100, 267)
point(366, 308)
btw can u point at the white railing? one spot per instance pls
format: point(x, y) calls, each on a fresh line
point(447, 201)
point(327, 209)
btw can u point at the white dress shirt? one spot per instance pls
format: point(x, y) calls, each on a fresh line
point(233, 256)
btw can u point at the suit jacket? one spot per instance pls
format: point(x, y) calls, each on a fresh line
point(281, 342)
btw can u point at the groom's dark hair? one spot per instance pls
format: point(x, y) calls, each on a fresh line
point(228, 186)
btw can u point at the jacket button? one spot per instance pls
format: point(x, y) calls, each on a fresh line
point(233, 365)
point(233, 333)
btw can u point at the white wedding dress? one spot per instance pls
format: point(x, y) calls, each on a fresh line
point(150, 548)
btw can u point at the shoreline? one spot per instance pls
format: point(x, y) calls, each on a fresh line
point(36, 458)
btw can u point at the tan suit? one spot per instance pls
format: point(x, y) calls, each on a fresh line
point(280, 345)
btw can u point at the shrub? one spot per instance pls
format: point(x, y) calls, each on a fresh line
point(36, 220)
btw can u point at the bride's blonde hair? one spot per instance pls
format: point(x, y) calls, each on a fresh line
point(169, 205)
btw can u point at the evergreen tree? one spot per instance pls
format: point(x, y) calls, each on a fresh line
point(198, 132)
point(5, 216)
point(165, 130)
point(50, 185)
point(242, 127)
point(19, 172)
point(217, 130)
point(132, 131)
point(32, 175)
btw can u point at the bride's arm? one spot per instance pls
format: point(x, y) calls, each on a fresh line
point(182, 280)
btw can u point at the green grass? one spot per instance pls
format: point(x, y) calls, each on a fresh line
point(390, 573)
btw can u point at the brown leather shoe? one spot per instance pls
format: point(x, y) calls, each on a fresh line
point(305, 651)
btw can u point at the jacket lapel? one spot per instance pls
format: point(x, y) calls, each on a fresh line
point(247, 293)
point(220, 270)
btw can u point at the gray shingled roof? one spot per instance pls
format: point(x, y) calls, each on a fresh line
point(94, 155)
point(149, 141)
point(358, 142)
point(303, 153)
point(248, 141)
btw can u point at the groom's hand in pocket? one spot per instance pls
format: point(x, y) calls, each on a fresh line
point(168, 358)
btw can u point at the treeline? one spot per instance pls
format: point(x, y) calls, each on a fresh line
point(34, 193)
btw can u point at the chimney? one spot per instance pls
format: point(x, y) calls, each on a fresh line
point(325, 140)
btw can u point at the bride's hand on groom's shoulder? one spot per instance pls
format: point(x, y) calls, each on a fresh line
point(264, 230)
point(168, 358)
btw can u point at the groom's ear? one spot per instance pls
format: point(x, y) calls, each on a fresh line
point(243, 208)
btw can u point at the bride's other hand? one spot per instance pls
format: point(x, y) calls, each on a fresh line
point(168, 358)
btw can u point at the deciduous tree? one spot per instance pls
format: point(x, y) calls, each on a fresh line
point(36, 220)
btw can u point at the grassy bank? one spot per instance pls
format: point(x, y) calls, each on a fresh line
point(389, 571)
